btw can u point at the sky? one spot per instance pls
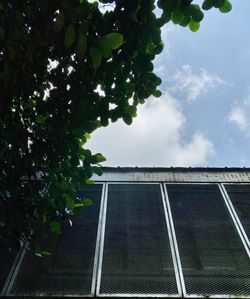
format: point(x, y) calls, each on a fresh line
point(203, 116)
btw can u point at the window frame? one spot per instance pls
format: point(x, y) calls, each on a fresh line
point(234, 222)
point(172, 251)
point(19, 258)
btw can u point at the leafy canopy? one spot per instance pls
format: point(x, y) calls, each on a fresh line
point(55, 57)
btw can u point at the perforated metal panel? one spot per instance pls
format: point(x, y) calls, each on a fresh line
point(69, 270)
point(213, 258)
point(240, 197)
point(137, 257)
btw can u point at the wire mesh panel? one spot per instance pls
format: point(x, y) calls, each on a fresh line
point(68, 271)
point(6, 259)
point(137, 257)
point(213, 258)
point(240, 197)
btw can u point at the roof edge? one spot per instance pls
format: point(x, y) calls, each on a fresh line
point(174, 169)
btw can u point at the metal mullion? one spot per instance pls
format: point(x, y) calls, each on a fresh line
point(12, 269)
point(235, 219)
point(177, 254)
point(215, 296)
point(151, 295)
point(191, 183)
point(97, 247)
point(234, 211)
point(171, 242)
point(133, 183)
point(16, 269)
point(102, 235)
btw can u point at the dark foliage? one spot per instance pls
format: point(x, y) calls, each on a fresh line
point(55, 57)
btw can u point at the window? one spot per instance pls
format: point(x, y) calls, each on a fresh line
point(136, 257)
point(213, 258)
point(69, 270)
point(240, 197)
point(147, 237)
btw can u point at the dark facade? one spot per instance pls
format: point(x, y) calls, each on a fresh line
point(151, 232)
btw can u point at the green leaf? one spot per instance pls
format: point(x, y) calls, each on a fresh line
point(64, 185)
point(96, 57)
point(45, 253)
point(81, 45)
point(69, 36)
point(196, 13)
point(31, 103)
point(105, 47)
point(38, 249)
point(89, 182)
point(55, 227)
point(41, 119)
point(157, 81)
point(12, 53)
point(165, 18)
point(115, 40)
point(157, 93)
point(177, 16)
point(150, 48)
point(87, 135)
point(44, 218)
point(185, 3)
point(226, 7)
point(185, 21)
point(167, 5)
point(207, 4)
point(100, 158)
point(59, 21)
point(83, 27)
point(131, 110)
point(70, 203)
point(194, 26)
point(86, 202)
point(218, 3)
point(97, 170)
point(127, 119)
point(2, 34)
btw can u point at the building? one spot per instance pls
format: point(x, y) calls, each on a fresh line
point(151, 232)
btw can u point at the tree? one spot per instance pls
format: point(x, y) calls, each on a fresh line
point(55, 58)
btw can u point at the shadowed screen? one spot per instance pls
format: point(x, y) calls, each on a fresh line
point(240, 197)
point(213, 258)
point(137, 257)
point(70, 267)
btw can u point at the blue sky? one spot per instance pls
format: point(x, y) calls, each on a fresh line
point(203, 116)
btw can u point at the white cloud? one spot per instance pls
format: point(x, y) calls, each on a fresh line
point(194, 84)
point(240, 112)
point(154, 139)
point(195, 152)
point(238, 117)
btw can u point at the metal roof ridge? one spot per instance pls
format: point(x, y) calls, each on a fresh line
point(186, 169)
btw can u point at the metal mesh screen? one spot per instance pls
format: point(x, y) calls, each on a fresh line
point(240, 197)
point(213, 258)
point(137, 257)
point(68, 271)
point(6, 260)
